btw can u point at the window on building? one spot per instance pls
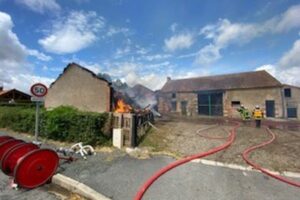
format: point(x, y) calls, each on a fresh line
point(287, 92)
point(235, 103)
point(292, 112)
point(173, 95)
point(174, 105)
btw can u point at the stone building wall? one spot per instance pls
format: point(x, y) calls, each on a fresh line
point(79, 88)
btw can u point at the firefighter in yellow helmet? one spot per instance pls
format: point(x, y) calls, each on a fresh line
point(257, 115)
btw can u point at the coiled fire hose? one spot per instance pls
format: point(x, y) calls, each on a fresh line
point(139, 195)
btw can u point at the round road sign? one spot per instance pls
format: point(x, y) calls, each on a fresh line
point(38, 90)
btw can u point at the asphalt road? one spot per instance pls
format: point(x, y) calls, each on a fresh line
point(7, 193)
point(120, 178)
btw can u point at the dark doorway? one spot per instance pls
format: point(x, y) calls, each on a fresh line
point(183, 107)
point(270, 108)
point(292, 112)
point(210, 104)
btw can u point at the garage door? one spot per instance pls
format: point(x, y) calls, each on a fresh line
point(210, 104)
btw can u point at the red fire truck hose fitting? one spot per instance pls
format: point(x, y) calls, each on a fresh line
point(177, 163)
point(256, 166)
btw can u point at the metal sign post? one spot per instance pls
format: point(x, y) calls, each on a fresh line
point(37, 114)
point(38, 91)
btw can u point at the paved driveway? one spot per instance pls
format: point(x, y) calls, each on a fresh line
point(6, 193)
point(120, 178)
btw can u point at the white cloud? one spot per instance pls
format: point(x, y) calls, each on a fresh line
point(181, 41)
point(15, 72)
point(75, 32)
point(292, 57)
point(188, 55)
point(208, 54)
point(11, 48)
point(38, 55)
point(173, 27)
point(157, 57)
point(141, 50)
point(285, 76)
point(24, 81)
point(269, 68)
point(288, 20)
point(287, 70)
point(222, 34)
point(40, 6)
point(122, 51)
point(94, 67)
point(225, 33)
point(115, 30)
point(162, 64)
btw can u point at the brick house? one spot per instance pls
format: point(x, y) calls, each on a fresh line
point(221, 95)
point(80, 88)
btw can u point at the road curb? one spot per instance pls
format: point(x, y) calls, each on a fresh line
point(77, 187)
point(243, 168)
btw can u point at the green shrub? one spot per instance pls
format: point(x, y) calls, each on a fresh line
point(62, 123)
point(17, 118)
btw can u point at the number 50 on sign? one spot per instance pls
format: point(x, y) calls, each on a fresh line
point(38, 90)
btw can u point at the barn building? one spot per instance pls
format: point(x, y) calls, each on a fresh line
point(80, 88)
point(221, 95)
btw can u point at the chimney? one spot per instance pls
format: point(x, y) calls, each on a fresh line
point(168, 78)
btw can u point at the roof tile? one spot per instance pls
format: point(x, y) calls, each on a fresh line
point(246, 80)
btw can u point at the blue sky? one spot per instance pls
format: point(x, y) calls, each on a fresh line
point(146, 41)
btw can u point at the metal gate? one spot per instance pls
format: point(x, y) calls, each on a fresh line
point(210, 103)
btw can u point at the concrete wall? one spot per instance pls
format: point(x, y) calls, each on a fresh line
point(293, 101)
point(251, 97)
point(79, 88)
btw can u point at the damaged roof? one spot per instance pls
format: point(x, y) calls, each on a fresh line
point(246, 80)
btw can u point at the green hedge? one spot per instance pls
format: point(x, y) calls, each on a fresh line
point(62, 123)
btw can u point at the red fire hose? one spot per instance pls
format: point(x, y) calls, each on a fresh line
point(165, 169)
point(256, 166)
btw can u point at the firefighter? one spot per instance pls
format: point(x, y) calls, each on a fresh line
point(257, 115)
point(244, 112)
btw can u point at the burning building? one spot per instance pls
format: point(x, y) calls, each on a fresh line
point(221, 95)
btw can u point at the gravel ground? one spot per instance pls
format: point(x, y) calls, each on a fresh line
point(179, 137)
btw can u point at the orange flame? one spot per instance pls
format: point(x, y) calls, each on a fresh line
point(122, 107)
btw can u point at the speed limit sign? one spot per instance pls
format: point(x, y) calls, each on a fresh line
point(38, 90)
